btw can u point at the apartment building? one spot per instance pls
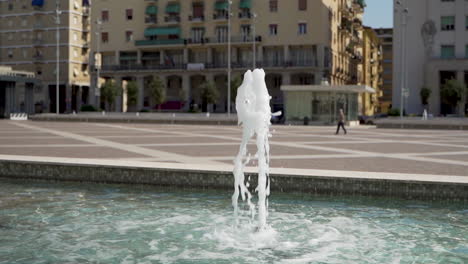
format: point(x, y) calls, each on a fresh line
point(185, 43)
point(372, 72)
point(434, 37)
point(28, 42)
point(386, 39)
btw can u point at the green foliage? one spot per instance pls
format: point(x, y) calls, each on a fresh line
point(132, 93)
point(88, 108)
point(452, 92)
point(394, 112)
point(109, 91)
point(425, 93)
point(209, 92)
point(235, 83)
point(157, 91)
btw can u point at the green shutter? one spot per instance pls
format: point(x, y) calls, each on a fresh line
point(447, 52)
point(222, 5)
point(173, 8)
point(151, 10)
point(245, 4)
point(162, 31)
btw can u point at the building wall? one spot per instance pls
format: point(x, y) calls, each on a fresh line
point(29, 43)
point(423, 61)
point(386, 38)
point(288, 57)
point(372, 72)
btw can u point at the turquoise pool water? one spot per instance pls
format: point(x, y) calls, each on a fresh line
point(44, 222)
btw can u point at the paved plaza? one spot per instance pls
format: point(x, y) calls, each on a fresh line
point(366, 149)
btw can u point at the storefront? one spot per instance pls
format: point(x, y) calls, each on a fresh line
point(320, 104)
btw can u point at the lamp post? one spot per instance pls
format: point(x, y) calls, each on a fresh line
point(254, 15)
point(229, 59)
point(57, 91)
point(403, 89)
point(97, 63)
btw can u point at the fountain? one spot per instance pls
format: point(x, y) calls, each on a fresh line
point(254, 114)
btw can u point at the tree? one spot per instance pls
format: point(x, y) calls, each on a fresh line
point(209, 92)
point(425, 93)
point(132, 93)
point(452, 93)
point(235, 83)
point(109, 91)
point(157, 91)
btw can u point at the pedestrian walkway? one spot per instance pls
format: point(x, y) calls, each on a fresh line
point(363, 149)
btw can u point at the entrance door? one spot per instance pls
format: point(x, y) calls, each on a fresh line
point(52, 98)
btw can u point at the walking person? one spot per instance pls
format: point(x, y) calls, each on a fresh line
point(341, 120)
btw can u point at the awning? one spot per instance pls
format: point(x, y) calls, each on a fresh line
point(222, 5)
point(245, 4)
point(173, 8)
point(151, 10)
point(37, 2)
point(162, 31)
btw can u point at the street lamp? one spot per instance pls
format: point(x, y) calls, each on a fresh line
point(97, 92)
point(229, 59)
point(57, 92)
point(254, 15)
point(403, 89)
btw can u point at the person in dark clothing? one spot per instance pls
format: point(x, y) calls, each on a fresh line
point(341, 120)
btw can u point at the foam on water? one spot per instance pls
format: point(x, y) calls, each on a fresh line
point(254, 114)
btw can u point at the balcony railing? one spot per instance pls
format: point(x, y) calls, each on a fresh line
point(38, 58)
point(172, 19)
point(220, 16)
point(196, 18)
point(38, 42)
point(157, 42)
point(245, 15)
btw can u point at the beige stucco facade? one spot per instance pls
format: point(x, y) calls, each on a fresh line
point(372, 72)
point(28, 42)
point(435, 42)
point(185, 44)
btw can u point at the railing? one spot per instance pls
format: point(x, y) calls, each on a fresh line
point(172, 19)
point(215, 65)
point(38, 41)
point(196, 19)
point(37, 58)
point(220, 16)
point(160, 42)
point(245, 15)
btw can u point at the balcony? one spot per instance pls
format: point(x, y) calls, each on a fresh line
point(138, 67)
point(38, 58)
point(38, 26)
point(38, 42)
point(245, 15)
point(197, 41)
point(160, 42)
point(172, 19)
point(234, 39)
point(219, 17)
point(196, 19)
point(86, 11)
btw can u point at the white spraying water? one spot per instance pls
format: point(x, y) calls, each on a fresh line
point(254, 114)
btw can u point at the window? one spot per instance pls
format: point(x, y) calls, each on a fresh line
point(466, 51)
point(105, 15)
point(273, 30)
point(447, 51)
point(221, 33)
point(448, 0)
point(104, 37)
point(245, 32)
point(10, 53)
point(466, 22)
point(447, 23)
point(75, 20)
point(75, 53)
point(129, 14)
point(302, 5)
point(197, 35)
point(75, 36)
point(197, 10)
point(302, 28)
point(129, 35)
point(273, 5)
point(10, 6)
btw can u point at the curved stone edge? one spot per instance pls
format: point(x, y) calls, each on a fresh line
point(313, 182)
